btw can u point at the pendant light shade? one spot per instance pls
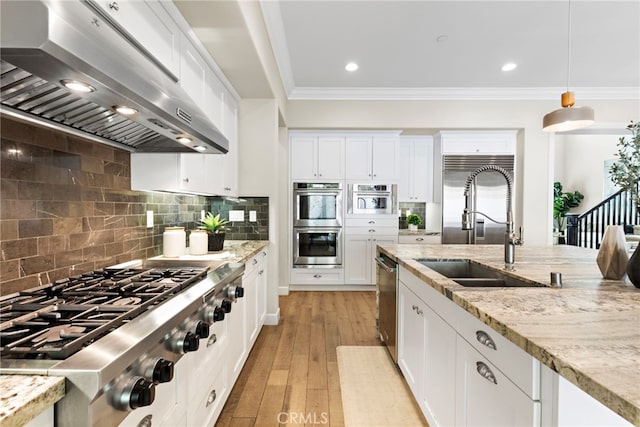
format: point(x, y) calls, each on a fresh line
point(568, 117)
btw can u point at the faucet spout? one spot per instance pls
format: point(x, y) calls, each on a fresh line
point(510, 238)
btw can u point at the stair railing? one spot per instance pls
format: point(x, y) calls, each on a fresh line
point(587, 229)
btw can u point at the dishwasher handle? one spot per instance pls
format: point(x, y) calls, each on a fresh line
point(384, 265)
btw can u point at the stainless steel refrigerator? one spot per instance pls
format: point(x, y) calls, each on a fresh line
point(490, 198)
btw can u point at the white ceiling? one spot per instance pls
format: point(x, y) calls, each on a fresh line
point(395, 44)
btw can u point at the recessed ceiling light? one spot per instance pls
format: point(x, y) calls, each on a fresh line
point(351, 66)
point(183, 139)
point(124, 110)
point(509, 66)
point(77, 86)
point(200, 148)
point(442, 38)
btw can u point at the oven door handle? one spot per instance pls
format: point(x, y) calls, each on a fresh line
point(382, 264)
point(318, 192)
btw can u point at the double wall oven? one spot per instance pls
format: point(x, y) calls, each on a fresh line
point(317, 225)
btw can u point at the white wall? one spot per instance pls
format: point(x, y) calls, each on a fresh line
point(258, 170)
point(579, 165)
point(534, 148)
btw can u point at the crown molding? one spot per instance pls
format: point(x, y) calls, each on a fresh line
point(462, 94)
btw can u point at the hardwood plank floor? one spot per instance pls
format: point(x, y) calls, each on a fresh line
point(291, 376)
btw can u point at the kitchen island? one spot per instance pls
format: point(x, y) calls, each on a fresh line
point(588, 331)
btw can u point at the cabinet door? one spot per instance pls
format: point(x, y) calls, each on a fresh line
point(406, 181)
point(358, 158)
point(191, 176)
point(150, 25)
point(230, 126)
point(438, 399)
point(422, 170)
point(155, 171)
point(237, 327)
point(261, 284)
point(411, 338)
point(213, 99)
point(303, 158)
point(249, 283)
point(357, 259)
point(193, 71)
point(385, 158)
point(485, 397)
point(330, 158)
point(214, 172)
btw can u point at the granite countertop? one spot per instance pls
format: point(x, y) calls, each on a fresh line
point(418, 232)
point(588, 331)
point(23, 397)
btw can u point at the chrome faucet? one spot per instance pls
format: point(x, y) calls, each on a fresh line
point(510, 238)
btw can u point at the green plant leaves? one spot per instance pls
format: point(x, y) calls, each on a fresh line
point(213, 224)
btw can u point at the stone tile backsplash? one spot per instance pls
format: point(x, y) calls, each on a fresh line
point(417, 208)
point(66, 207)
point(244, 230)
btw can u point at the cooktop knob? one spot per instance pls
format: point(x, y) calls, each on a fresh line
point(226, 306)
point(202, 329)
point(163, 371)
point(218, 314)
point(233, 292)
point(143, 393)
point(132, 392)
point(183, 342)
point(191, 342)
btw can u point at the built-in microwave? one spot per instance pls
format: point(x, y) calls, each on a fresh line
point(372, 199)
point(317, 204)
point(317, 247)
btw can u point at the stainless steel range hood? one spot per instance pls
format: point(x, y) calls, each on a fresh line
point(46, 42)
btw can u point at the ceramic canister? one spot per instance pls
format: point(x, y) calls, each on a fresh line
point(174, 242)
point(198, 242)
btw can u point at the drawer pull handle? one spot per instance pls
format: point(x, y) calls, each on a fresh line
point(419, 239)
point(485, 372)
point(212, 340)
point(372, 222)
point(212, 397)
point(414, 308)
point(145, 422)
point(372, 230)
point(317, 276)
point(261, 272)
point(484, 339)
point(254, 262)
point(114, 6)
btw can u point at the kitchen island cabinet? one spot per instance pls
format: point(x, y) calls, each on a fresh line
point(554, 359)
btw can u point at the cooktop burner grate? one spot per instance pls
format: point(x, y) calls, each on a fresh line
point(56, 320)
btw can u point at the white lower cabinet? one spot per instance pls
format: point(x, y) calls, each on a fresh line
point(485, 397)
point(360, 250)
point(411, 338)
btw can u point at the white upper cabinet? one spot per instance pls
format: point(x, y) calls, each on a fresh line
point(478, 142)
point(372, 158)
point(193, 72)
point(317, 157)
point(416, 169)
point(149, 24)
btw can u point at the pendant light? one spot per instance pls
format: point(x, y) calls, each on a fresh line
point(568, 117)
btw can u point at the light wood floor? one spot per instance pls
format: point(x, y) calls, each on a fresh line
point(291, 375)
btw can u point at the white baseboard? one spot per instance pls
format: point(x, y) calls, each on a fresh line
point(272, 318)
point(283, 290)
point(333, 287)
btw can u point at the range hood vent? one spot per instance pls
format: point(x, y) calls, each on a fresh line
point(37, 58)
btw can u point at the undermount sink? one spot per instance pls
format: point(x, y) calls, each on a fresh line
point(469, 274)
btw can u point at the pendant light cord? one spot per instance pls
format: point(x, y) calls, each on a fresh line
point(569, 47)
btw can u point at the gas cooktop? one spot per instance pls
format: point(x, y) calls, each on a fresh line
point(56, 320)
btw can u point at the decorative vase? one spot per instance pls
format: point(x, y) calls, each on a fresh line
point(215, 241)
point(633, 267)
point(612, 256)
point(413, 227)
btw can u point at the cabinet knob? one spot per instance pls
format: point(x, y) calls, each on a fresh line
point(114, 6)
point(319, 174)
point(186, 180)
point(374, 175)
point(372, 230)
point(227, 188)
point(212, 397)
point(317, 276)
point(372, 222)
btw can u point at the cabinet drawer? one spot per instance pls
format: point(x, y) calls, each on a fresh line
point(303, 276)
point(372, 231)
point(380, 221)
point(211, 389)
point(515, 363)
point(419, 239)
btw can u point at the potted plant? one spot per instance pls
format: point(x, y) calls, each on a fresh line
point(413, 221)
point(215, 227)
point(625, 172)
point(562, 203)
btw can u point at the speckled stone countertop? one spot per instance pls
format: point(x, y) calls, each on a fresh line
point(588, 331)
point(23, 397)
point(418, 232)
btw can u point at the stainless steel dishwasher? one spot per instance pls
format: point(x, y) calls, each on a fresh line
point(387, 284)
